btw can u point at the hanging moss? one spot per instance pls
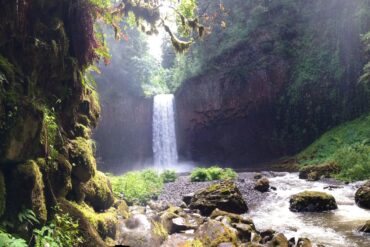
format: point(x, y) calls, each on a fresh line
point(82, 158)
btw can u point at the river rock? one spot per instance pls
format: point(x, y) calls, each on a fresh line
point(257, 176)
point(267, 235)
point(212, 233)
point(365, 227)
point(315, 172)
point(187, 198)
point(138, 231)
point(177, 239)
point(304, 242)
point(362, 196)
point(262, 185)
point(224, 196)
point(279, 240)
point(312, 201)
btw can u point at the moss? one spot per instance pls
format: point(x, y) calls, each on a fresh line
point(122, 209)
point(193, 243)
point(61, 176)
point(82, 131)
point(82, 158)
point(159, 230)
point(26, 189)
point(88, 230)
point(99, 192)
point(105, 223)
point(50, 132)
point(7, 68)
point(2, 194)
point(312, 201)
point(218, 234)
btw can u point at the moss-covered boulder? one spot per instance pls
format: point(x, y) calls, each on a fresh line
point(26, 189)
point(365, 227)
point(82, 157)
point(315, 172)
point(362, 196)
point(98, 192)
point(279, 240)
point(88, 230)
point(304, 242)
point(61, 177)
point(212, 233)
point(122, 208)
point(262, 184)
point(224, 196)
point(312, 201)
point(2, 194)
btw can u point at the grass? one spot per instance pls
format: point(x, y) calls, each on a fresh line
point(137, 187)
point(200, 174)
point(347, 145)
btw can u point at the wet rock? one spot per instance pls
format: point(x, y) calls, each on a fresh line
point(279, 240)
point(138, 231)
point(273, 188)
point(362, 196)
point(175, 220)
point(228, 244)
point(233, 218)
point(224, 195)
point(312, 201)
point(98, 192)
point(212, 233)
point(315, 172)
point(257, 176)
point(365, 227)
point(262, 185)
point(304, 242)
point(122, 208)
point(158, 205)
point(267, 235)
point(291, 242)
point(177, 239)
point(187, 198)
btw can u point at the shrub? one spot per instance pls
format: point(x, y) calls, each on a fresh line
point(137, 187)
point(212, 173)
point(168, 176)
point(199, 175)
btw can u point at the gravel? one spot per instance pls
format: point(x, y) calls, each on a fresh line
point(173, 192)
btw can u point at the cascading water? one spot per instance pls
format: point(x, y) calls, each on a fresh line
point(164, 135)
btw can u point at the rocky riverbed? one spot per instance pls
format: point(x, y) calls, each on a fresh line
point(264, 219)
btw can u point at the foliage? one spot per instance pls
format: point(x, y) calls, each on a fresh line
point(347, 145)
point(200, 174)
point(137, 187)
point(61, 231)
point(8, 240)
point(168, 176)
point(49, 137)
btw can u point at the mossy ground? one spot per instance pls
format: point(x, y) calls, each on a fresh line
point(347, 145)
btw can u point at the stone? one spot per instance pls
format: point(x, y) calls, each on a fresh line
point(224, 196)
point(279, 240)
point(365, 227)
point(267, 235)
point(138, 231)
point(187, 198)
point(312, 201)
point(315, 172)
point(178, 239)
point(98, 192)
point(262, 185)
point(212, 233)
point(257, 176)
point(82, 159)
point(304, 242)
point(362, 196)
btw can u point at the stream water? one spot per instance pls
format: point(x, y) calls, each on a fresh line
point(336, 228)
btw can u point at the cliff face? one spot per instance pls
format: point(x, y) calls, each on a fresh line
point(47, 110)
point(293, 77)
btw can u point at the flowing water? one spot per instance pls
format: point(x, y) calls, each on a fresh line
point(164, 135)
point(336, 228)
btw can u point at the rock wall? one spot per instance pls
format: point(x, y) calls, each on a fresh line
point(289, 80)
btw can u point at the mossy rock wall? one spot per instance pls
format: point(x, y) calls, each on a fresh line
point(47, 108)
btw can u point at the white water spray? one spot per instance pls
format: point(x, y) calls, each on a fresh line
point(164, 135)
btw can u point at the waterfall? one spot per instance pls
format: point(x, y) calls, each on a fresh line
point(164, 136)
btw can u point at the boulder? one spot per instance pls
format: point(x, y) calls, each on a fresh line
point(175, 220)
point(304, 242)
point(212, 233)
point(82, 158)
point(257, 176)
point(365, 227)
point(98, 192)
point(279, 240)
point(312, 201)
point(262, 185)
point(187, 198)
point(122, 209)
point(267, 235)
point(362, 196)
point(178, 239)
point(315, 172)
point(139, 231)
point(224, 196)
